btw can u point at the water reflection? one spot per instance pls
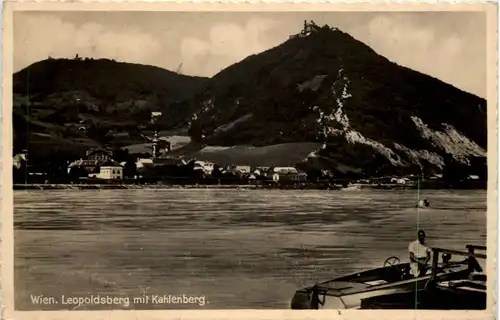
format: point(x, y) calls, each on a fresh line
point(238, 248)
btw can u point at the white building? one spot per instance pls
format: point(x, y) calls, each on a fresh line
point(242, 168)
point(141, 162)
point(110, 173)
point(276, 177)
point(285, 170)
point(207, 167)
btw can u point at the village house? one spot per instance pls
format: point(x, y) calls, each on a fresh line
point(243, 169)
point(99, 164)
point(111, 172)
point(239, 169)
point(88, 166)
point(256, 172)
point(260, 171)
point(287, 175)
point(143, 162)
point(206, 167)
point(99, 154)
point(108, 169)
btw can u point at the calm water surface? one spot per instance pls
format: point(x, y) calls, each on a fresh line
point(236, 248)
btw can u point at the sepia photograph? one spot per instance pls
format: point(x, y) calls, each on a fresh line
point(251, 159)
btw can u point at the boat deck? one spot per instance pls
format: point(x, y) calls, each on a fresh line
point(447, 285)
point(375, 280)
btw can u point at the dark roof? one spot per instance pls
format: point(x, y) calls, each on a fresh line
point(95, 150)
point(291, 174)
point(93, 163)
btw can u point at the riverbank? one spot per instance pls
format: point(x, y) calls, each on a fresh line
point(306, 186)
point(122, 186)
point(156, 186)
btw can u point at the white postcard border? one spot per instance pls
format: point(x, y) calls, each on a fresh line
point(7, 249)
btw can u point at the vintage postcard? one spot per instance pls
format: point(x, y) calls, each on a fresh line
point(253, 161)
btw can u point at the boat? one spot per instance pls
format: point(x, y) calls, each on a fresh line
point(446, 285)
point(422, 204)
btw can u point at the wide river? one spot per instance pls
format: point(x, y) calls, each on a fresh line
point(233, 248)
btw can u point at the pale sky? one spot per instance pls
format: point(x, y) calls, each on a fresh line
point(450, 46)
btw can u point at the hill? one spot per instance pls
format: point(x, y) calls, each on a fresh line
point(286, 154)
point(371, 115)
point(67, 105)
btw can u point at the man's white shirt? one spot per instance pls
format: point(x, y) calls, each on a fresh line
point(420, 252)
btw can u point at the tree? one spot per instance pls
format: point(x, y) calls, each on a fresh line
point(454, 171)
point(130, 168)
point(121, 155)
point(479, 166)
point(217, 172)
point(20, 169)
point(195, 131)
point(314, 174)
point(77, 172)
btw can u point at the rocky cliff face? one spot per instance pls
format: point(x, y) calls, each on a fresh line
point(367, 114)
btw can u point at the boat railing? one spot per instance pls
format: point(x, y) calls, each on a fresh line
point(470, 254)
point(338, 292)
point(435, 276)
point(472, 247)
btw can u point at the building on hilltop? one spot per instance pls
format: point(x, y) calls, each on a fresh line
point(310, 28)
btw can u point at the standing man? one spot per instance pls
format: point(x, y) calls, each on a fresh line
point(419, 255)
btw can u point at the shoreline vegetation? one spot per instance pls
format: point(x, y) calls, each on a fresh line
point(303, 186)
